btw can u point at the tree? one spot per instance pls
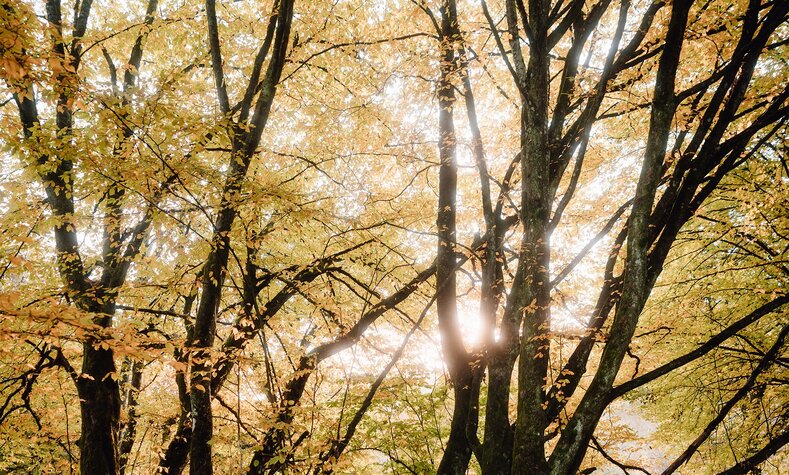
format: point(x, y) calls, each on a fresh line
point(224, 242)
point(161, 145)
point(680, 170)
point(51, 151)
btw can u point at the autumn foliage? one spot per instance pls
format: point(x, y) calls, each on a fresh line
point(394, 236)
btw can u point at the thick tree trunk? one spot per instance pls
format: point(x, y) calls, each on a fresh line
point(501, 356)
point(175, 456)
point(497, 442)
point(534, 303)
point(96, 384)
point(100, 412)
point(204, 333)
point(457, 452)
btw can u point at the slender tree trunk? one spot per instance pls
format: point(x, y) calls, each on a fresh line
point(457, 452)
point(572, 445)
point(174, 457)
point(245, 138)
point(499, 434)
point(130, 428)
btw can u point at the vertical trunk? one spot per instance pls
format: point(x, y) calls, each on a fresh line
point(100, 402)
point(174, 458)
point(96, 386)
point(213, 273)
point(204, 330)
point(501, 356)
point(457, 452)
point(534, 302)
point(498, 437)
point(496, 449)
point(130, 428)
point(458, 449)
point(99, 410)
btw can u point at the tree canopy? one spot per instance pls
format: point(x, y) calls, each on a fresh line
point(394, 236)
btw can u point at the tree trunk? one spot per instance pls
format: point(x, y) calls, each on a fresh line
point(130, 428)
point(497, 442)
point(457, 452)
point(100, 412)
point(534, 303)
point(572, 445)
point(245, 138)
